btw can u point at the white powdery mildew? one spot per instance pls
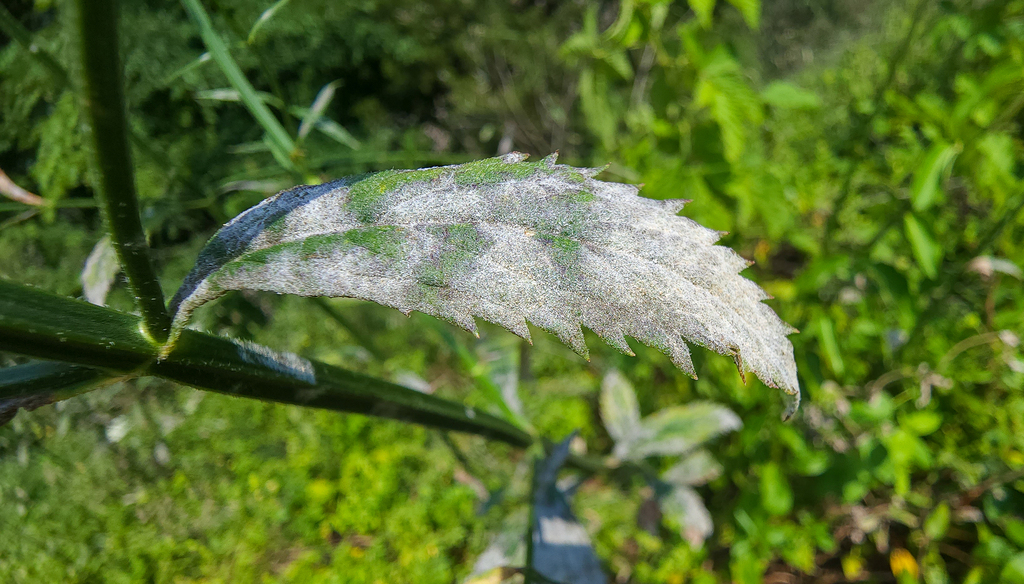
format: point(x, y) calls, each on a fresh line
point(510, 242)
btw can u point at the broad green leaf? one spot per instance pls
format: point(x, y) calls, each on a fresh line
point(619, 408)
point(696, 468)
point(927, 251)
point(704, 9)
point(782, 94)
point(510, 242)
point(684, 507)
point(680, 429)
point(560, 547)
point(101, 267)
point(924, 191)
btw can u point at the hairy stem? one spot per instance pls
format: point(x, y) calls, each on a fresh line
point(103, 94)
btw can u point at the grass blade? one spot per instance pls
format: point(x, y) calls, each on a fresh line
point(279, 138)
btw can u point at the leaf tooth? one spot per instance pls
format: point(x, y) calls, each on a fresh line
point(679, 353)
point(550, 159)
point(592, 172)
point(674, 206)
point(514, 157)
point(616, 339)
point(572, 335)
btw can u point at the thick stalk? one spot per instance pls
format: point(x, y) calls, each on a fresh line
point(103, 93)
point(46, 326)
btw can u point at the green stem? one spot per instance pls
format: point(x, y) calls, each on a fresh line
point(104, 103)
point(46, 326)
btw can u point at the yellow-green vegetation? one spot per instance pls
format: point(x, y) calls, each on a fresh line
point(866, 155)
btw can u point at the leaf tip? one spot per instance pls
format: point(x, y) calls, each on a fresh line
point(551, 159)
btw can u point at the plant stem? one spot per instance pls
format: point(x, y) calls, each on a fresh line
point(47, 326)
point(105, 106)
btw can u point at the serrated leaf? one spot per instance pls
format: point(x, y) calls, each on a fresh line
point(680, 429)
point(510, 242)
point(695, 469)
point(98, 274)
point(619, 408)
point(684, 507)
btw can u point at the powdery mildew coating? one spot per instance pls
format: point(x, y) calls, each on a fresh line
point(510, 242)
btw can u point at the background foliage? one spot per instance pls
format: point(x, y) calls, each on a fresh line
point(866, 156)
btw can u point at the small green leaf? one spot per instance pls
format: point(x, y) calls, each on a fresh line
point(776, 495)
point(937, 523)
point(704, 9)
point(927, 251)
point(619, 408)
point(695, 469)
point(784, 95)
point(684, 507)
point(924, 191)
point(680, 429)
point(921, 423)
point(830, 345)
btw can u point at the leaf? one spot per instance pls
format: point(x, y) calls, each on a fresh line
point(680, 429)
point(509, 242)
point(924, 190)
point(278, 138)
point(560, 547)
point(785, 95)
point(697, 468)
point(927, 251)
point(36, 384)
point(703, 9)
point(776, 495)
point(316, 111)
point(683, 506)
point(751, 11)
point(264, 17)
point(619, 408)
point(98, 274)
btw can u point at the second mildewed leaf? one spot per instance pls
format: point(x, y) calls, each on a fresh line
point(508, 241)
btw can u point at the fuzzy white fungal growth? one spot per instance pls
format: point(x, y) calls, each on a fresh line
point(510, 242)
